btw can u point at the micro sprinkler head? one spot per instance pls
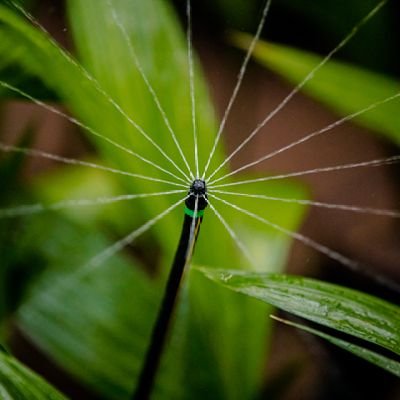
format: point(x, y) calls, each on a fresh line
point(198, 189)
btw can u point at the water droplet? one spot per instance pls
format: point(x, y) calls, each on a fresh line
point(225, 277)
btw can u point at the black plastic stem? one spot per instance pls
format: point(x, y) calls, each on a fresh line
point(164, 318)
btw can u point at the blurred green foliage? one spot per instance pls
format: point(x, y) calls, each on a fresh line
point(51, 317)
point(343, 87)
point(96, 323)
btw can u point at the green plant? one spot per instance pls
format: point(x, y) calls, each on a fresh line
point(95, 319)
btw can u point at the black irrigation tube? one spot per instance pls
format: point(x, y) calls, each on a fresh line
point(192, 218)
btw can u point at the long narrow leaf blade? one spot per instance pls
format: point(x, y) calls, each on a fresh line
point(346, 310)
point(368, 355)
point(19, 383)
point(341, 86)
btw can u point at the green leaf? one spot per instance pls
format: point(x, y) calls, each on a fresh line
point(345, 310)
point(341, 86)
point(19, 383)
point(159, 45)
point(368, 355)
point(95, 323)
